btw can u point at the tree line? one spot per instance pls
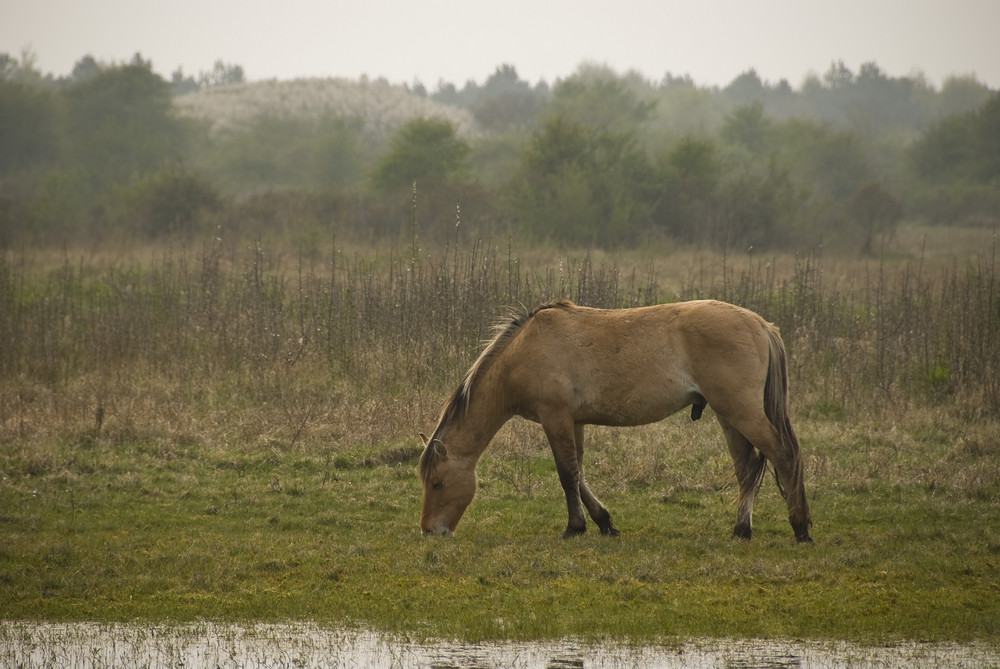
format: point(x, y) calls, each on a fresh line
point(598, 158)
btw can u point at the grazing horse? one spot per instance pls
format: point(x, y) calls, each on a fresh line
point(566, 366)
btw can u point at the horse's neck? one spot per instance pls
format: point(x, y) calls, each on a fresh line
point(472, 431)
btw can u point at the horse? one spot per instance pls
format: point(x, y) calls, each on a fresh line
point(566, 366)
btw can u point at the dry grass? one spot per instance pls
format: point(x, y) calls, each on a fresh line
point(365, 346)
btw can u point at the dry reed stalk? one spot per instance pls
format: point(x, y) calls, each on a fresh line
point(233, 330)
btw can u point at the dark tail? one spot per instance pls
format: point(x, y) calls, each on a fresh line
point(757, 473)
point(776, 406)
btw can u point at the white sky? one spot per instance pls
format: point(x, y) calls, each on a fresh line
point(433, 40)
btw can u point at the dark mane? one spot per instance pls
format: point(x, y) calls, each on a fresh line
point(504, 331)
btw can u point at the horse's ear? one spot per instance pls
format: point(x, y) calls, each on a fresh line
point(439, 449)
point(424, 438)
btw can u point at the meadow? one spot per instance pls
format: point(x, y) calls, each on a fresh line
point(227, 431)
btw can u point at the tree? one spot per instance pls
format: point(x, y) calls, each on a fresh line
point(549, 195)
point(119, 122)
point(759, 206)
point(84, 69)
point(560, 143)
point(747, 126)
point(578, 185)
point(839, 76)
point(29, 126)
point(23, 71)
point(987, 132)
point(505, 100)
point(746, 89)
point(945, 151)
point(834, 163)
point(876, 211)
point(957, 167)
point(8, 66)
point(874, 102)
point(961, 146)
point(690, 181)
point(420, 148)
point(222, 74)
point(962, 94)
point(179, 84)
point(599, 100)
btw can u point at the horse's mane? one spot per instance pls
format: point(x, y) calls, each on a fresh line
point(504, 331)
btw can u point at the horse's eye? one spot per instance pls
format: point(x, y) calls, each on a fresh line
point(438, 485)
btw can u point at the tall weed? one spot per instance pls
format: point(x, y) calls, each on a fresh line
point(365, 345)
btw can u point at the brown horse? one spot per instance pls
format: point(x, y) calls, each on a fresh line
point(566, 366)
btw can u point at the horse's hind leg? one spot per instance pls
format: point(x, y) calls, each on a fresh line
point(749, 466)
point(788, 468)
point(597, 510)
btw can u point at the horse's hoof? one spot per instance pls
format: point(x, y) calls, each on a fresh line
point(802, 532)
point(574, 532)
point(610, 532)
point(744, 533)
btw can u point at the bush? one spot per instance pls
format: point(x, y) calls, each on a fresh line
point(44, 207)
point(424, 147)
point(120, 123)
point(167, 202)
point(957, 203)
point(29, 130)
point(574, 185)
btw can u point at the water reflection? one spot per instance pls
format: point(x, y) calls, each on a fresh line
point(28, 645)
point(770, 659)
point(565, 663)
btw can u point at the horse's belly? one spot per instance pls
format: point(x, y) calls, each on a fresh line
point(623, 413)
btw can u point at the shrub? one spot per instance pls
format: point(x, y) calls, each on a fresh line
point(167, 202)
point(424, 147)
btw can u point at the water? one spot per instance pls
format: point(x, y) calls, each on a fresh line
point(213, 645)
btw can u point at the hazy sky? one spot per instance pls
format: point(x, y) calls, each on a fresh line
point(432, 40)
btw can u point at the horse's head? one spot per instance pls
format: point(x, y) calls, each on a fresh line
point(449, 486)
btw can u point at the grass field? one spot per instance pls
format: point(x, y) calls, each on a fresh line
point(230, 434)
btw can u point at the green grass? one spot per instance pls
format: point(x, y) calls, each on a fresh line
point(112, 529)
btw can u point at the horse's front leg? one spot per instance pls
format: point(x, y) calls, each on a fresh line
point(597, 510)
point(560, 434)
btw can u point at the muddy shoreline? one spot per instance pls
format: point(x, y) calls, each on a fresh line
point(29, 644)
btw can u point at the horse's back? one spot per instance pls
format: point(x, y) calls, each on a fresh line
point(629, 366)
point(699, 326)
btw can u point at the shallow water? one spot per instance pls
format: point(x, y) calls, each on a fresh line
point(25, 644)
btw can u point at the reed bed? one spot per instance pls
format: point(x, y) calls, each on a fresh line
point(215, 329)
point(248, 328)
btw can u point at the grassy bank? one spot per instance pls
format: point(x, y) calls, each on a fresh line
point(231, 434)
point(128, 527)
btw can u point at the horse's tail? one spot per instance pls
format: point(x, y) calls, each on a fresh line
point(776, 408)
